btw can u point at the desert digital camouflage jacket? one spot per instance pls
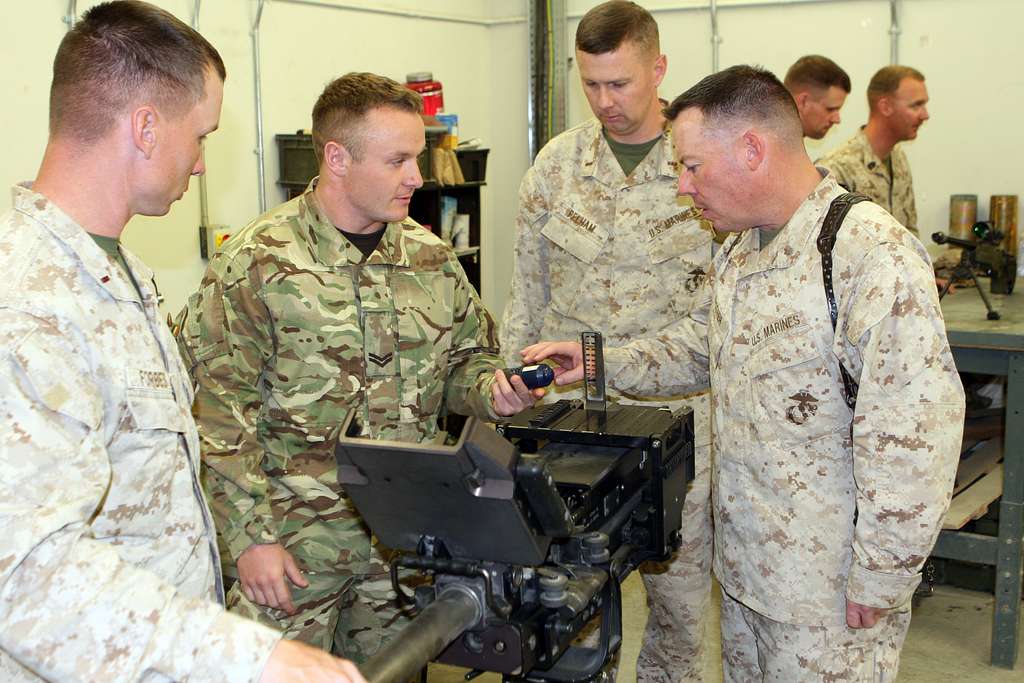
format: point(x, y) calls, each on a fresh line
point(814, 503)
point(108, 563)
point(291, 329)
point(857, 168)
point(596, 250)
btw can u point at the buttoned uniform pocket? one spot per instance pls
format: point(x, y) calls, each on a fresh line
point(149, 448)
point(425, 303)
point(678, 261)
point(570, 260)
point(794, 396)
point(155, 409)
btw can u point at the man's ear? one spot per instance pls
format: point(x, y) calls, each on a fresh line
point(801, 99)
point(337, 159)
point(753, 149)
point(144, 129)
point(884, 105)
point(660, 67)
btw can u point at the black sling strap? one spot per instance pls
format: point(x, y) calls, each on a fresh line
point(837, 211)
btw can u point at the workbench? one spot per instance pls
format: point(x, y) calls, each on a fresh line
point(995, 347)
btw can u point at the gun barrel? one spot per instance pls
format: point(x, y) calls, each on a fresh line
point(441, 622)
point(941, 238)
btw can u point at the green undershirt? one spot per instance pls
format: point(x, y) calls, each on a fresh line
point(629, 156)
point(112, 246)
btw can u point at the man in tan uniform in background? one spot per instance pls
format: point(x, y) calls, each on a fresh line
point(108, 563)
point(819, 87)
point(824, 513)
point(604, 244)
point(872, 162)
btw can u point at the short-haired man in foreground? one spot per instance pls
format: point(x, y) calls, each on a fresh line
point(330, 304)
point(824, 514)
point(108, 560)
point(872, 162)
point(819, 87)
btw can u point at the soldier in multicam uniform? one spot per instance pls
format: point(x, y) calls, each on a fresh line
point(332, 303)
point(603, 244)
point(108, 561)
point(872, 162)
point(819, 87)
point(824, 515)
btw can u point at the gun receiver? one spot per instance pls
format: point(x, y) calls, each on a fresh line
point(528, 531)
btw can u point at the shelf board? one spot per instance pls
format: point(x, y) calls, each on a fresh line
point(432, 185)
point(466, 251)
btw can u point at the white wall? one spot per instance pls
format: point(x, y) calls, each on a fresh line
point(968, 50)
point(302, 47)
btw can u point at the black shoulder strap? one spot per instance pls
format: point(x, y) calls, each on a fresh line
point(837, 211)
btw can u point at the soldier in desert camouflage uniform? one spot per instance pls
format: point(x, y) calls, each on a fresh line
point(333, 302)
point(872, 162)
point(819, 88)
point(824, 515)
point(603, 243)
point(108, 561)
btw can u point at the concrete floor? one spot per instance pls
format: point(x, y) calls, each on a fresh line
point(948, 641)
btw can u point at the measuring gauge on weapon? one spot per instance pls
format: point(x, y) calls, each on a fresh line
point(593, 371)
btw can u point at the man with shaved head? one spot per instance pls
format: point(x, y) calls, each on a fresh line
point(872, 162)
point(827, 499)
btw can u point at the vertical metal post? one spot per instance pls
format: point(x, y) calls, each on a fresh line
point(716, 38)
point(549, 66)
point(1006, 618)
point(204, 204)
point(532, 81)
point(559, 68)
point(257, 86)
point(71, 14)
point(894, 31)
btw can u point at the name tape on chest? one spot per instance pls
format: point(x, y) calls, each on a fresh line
point(666, 223)
point(579, 221)
point(150, 379)
point(773, 328)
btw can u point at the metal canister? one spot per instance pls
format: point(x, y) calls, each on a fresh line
point(1002, 214)
point(430, 90)
point(963, 213)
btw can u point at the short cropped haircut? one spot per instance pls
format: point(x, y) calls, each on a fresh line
point(344, 103)
point(816, 71)
point(121, 54)
point(741, 94)
point(887, 80)
point(606, 27)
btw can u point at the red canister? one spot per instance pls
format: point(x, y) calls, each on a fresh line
point(430, 90)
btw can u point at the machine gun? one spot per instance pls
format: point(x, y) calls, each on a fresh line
point(528, 531)
point(984, 255)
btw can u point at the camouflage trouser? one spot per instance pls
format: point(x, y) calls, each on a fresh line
point(756, 648)
point(351, 616)
point(679, 593)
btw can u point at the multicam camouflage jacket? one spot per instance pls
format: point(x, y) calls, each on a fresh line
point(290, 330)
point(108, 563)
point(813, 503)
point(857, 168)
point(596, 250)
